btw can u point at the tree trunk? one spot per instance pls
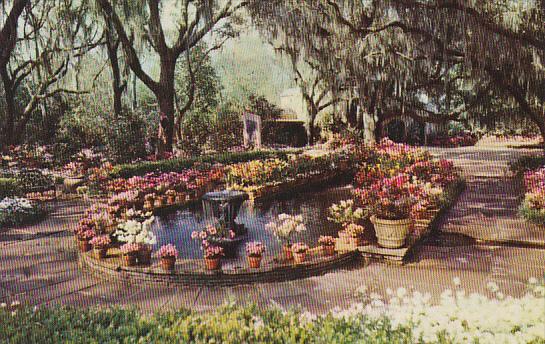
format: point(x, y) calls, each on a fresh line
point(117, 87)
point(312, 128)
point(8, 135)
point(165, 99)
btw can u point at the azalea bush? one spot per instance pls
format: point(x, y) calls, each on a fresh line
point(461, 139)
point(403, 317)
point(213, 233)
point(345, 213)
point(533, 205)
point(136, 231)
point(16, 211)
point(167, 251)
point(255, 249)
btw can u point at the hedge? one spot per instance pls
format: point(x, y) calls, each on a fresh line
point(8, 187)
point(179, 164)
point(527, 163)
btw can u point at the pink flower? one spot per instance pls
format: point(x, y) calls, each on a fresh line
point(167, 251)
point(194, 235)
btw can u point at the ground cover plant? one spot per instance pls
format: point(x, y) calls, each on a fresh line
point(402, 317)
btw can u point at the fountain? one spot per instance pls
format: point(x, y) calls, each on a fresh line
point(223, 207)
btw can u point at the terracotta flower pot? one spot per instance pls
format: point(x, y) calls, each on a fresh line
point(299, 258)
point(100, 252)
point(148, 205)
point(254, 262)
point(84, 246)
point(167, 263)
point(391, 233)
point(158, 202)
point(180, 199)
point(129, 259)
point(329, 250)
point(144, 255)
point(212, 263)
point(288, 254)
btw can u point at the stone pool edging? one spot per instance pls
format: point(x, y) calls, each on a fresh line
point(279, 272)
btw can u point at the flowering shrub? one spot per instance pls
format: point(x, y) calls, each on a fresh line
point(129, 248)
point(167, 251)
point(101, 241)
point(391, 198)
point(285, 226)
point(299, 247)
point(345, 213)
point(462, 139)
point(18, 211)
point(213, 252)
point(533, 206)
point(255, 249)
point(326, 240)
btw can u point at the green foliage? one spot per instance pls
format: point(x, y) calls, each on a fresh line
point(28, 181)
point(228, 324)
point(533, 215)
point(123, 138)
point(259, 105)
point(527, 163)
point(179, 164)
point(8, 187)
point(288, 133)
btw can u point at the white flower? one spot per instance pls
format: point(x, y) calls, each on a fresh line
point(3, 305)
point(457, 282)
point(532, 280)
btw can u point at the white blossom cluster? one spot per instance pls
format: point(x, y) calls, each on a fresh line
point(15, 204)
point(286, 225)
point(136, 232)
point(461, 317)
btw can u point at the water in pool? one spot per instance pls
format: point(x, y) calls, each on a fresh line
point(176, 228)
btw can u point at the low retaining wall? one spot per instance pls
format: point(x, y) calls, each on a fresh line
point(191, 272)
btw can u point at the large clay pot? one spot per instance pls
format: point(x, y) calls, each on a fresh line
point(391, 233)
point(254, 262)
point(167, 263)
point(329, 250)
point(212, 263)
point(299, 258)
point(288, 253)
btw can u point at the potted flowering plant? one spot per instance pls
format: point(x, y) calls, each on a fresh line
point(148, 201)
point(130, 253)
point(299, 250)
point(212, 256)
point(158, 201)
point(217, 234)
point(168, 255)
point(255, 251)
point(390, 202)
point(84, 234)
point(284, 227)
point(100, 245)
point(328, 244)
point(345, 214)
point(354, 233)
point(137, 231)
point(171, 197)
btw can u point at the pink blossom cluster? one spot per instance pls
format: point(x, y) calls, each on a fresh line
point(213, 252)
point(299, 247)
point(255, 249)
point(101, 241)
point(84, 233)
point(167, 251)
point(129, 248)
point(535, 180)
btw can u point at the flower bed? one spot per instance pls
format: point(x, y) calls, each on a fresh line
point(19, 211)
point(463, 139)
point(405, 318)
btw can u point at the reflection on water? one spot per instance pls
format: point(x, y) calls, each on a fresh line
point(176, 228)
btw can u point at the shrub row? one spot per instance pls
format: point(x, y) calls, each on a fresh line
point(527, 163)
point(179, 164)
point(8, 187)
point(229, 324)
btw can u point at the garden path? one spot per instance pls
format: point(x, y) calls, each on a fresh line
point(39, 266)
